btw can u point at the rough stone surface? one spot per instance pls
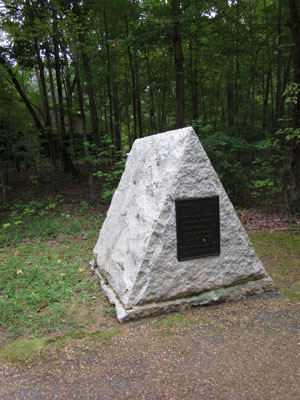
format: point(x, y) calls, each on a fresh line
point(231, 293)
point(136, 252)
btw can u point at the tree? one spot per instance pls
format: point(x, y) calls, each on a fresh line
point(178, 57)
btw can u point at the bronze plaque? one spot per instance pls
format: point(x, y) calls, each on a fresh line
point(198, 227)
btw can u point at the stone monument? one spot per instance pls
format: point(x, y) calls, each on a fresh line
point(171, 238)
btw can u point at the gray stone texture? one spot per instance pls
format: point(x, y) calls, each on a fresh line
point(136, 253)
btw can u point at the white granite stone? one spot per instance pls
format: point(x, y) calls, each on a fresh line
point(136, 253)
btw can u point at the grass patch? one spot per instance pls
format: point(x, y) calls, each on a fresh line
point(170, 321)
point(24, 350)
point(280, 254)
point(167, 325)
point(104, 336)
point(44, 268)
point(293, 294)
point(31, 350)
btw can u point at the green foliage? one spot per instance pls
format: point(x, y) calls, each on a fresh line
point(229, 156)
point(247, 168)
point(267, 171)
point(111, 164)
point(290, 95)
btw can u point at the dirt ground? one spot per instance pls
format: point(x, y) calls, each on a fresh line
point(244, 350)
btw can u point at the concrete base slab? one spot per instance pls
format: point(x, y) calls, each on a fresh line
point(230, 293)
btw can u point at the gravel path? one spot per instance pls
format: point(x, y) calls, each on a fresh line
point(244, 350)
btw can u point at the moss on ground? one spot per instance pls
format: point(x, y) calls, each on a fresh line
point(31, 350)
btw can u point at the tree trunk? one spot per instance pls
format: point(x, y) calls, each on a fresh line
point(138, 93)
point(266, 101)
point(84, 130)
point(151, 111)
point(194, 87)
point(237, 64)
point(269, 66)
point(118, 139)
point(88, 78)
point(52, 89)
point(68, 87)
point(230, 94)
point(130, 141)
point(69, 167)
point(109, 76)
point(163, 101)
point(48, 122)
point(279, 103)
point(133, 82)
point(179, 68)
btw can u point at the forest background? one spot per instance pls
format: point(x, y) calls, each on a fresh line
point(81, 80)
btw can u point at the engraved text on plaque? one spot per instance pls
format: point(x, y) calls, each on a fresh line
point(198, 227)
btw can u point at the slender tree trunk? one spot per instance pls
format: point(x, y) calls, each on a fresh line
point(133, 83)
point(84, 129)
point(237, 64)
point(163, 101)
point(202, 95)
point(52, 88)
point(266, 100)
point(270, 66)
point(252, 68)
point(138, 94)
point(230, 94)
point(118, 139)
point(61, 112)
point(112, 89)
point(91, 96)
point(194, 86)
point(151, 111)
point(279, 103)
point(69, 90)
point(48, 122)
point(42, 105)
point(69, 167)
point(88, 77)
point(109, 76)
point(130, 141)
point(179, 68)
point(287, 70)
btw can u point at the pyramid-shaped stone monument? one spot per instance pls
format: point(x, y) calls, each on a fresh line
point(171, 238)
